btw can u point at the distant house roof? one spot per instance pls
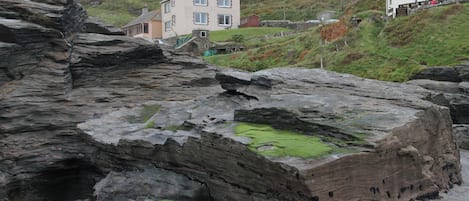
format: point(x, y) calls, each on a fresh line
point(156, 14)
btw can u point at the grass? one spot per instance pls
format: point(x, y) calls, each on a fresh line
point(278, 143)
point(148, 111)
point(150, 124)
point(251, 32)
point(295, 10)
point(118, 12)
point(391, 51)
point(145, 114)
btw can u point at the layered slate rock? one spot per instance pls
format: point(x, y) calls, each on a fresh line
point(392, 143)
point(455, 92)
point(53, 77)
point(94, 25)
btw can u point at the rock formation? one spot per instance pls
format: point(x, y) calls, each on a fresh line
point(106, 117)
point(453, 83)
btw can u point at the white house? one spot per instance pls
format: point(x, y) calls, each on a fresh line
point(393, 7)
point(180, 17)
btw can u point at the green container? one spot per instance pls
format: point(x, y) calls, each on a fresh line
point(210, 53)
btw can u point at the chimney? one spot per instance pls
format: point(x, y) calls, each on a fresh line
point(145, 9)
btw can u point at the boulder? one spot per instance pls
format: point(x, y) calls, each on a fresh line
point(463, 70)
point(438, 74)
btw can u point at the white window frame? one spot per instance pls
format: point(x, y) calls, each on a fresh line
point(201, 2)
point(224, 20)
point(224, 3)
point(199, 18)
point(167, 26)
point(167, 7)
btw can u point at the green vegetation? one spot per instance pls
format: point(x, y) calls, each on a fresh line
point(150, 124)
point(390, 51)
point(145, 114)
point(117, 12)
point(245, 33)
point(276, 143)
point(148, 111)
point(295, 10)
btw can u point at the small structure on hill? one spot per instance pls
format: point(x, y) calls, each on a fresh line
point(196, 44)
point(396, 8)
point(147, 25)
point(199, 44)
point(250, 21)
point(227, 47)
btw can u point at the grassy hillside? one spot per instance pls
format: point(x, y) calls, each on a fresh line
point(117, 12)
point(246, 33)
point(375, 49)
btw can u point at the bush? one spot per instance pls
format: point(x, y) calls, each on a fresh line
point(237, 38)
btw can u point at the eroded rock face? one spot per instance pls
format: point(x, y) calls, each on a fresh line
point(52, 77)
point(150, 184)
point(86, 115)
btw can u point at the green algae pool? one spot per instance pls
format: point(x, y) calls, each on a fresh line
point(268, 141)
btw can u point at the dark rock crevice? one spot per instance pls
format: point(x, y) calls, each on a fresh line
point(67, 180)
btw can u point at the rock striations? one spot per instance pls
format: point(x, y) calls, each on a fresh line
point(89, 116)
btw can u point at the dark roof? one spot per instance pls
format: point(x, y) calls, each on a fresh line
point(156, 14)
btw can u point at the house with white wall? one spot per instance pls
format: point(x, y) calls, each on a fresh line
point(395, 7)
point(180, 17)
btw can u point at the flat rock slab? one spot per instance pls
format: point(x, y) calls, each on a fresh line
point(399, 127)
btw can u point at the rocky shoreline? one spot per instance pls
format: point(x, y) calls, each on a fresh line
point(100, 116)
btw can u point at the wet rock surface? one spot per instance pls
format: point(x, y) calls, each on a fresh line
point(88, 115)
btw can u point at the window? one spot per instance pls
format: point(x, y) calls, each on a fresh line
point(173, 3)
point(203, 34)
point(173, 19)
point(224, 3)
point(167, 26)
point(145, 27)
point(200, 18)
point(200, 2)
point(167, 8)
point(224, 20)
